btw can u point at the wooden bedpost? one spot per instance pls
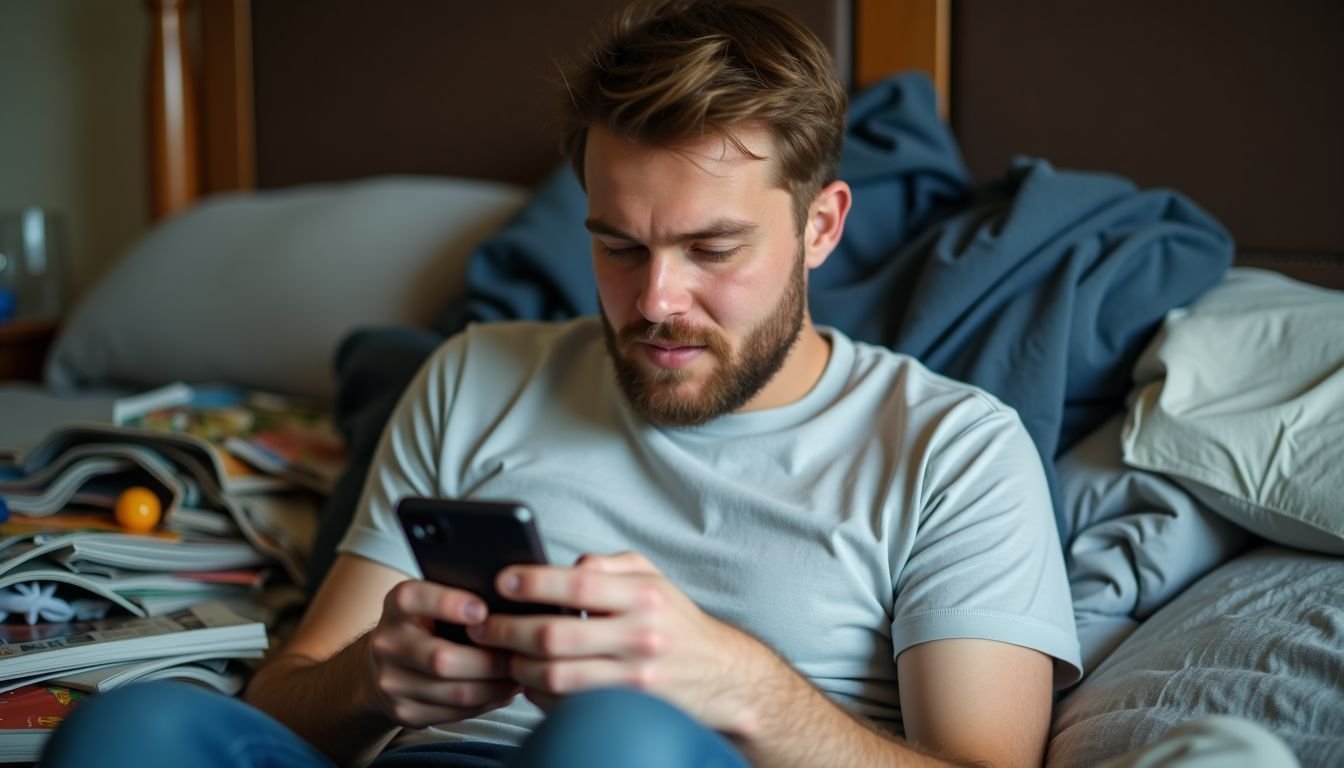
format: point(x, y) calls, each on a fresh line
point(896, 35)
point(173, 160)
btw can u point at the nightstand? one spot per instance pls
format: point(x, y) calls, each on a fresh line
point(24, 345)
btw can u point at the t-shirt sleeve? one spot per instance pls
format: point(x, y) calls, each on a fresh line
point(986, 561)
point(408, 461)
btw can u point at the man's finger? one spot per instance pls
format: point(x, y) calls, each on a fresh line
point(590, 588)
point(552, 636)
point(423, 599)
point(434, 657)
point(568, 676)
point(621, 562)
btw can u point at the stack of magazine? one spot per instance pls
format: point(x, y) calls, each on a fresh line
point(86, 605)
point(46, 669)
point(60, 496)
point(226, 465)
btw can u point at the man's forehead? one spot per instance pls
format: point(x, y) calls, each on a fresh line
point(695, 191)
point(746, 146)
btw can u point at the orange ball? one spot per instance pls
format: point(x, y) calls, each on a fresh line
point(138, 509)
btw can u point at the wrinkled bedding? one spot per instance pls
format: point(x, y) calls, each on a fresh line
point(1261, 637)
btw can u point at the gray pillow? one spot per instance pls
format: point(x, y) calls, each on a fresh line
point(1133, 540)
point(1240, 398)
point(1261, 637)
point(257, 290)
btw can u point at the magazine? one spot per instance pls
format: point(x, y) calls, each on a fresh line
point(140, 593)
point(129, 551)
point(28, 715)
point(292, 442)
point(28, 651)
point(209, 669)
point(183, 470)
point(42, 571)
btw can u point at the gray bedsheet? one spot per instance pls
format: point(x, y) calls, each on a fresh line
point(1261, 637)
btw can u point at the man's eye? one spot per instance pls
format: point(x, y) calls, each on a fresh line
point(723, 255)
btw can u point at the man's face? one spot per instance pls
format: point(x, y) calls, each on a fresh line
point(699, 270)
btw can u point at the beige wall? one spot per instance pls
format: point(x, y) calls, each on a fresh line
point(72, 134)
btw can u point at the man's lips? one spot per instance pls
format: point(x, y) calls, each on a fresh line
point(665, 356)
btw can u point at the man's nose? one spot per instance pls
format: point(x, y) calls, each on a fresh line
point(667, 289)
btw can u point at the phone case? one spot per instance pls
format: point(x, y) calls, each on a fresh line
point(464, 544)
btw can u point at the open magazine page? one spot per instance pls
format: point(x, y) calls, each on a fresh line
point(27, 650)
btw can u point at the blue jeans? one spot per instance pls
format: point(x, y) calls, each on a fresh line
point(167, 724)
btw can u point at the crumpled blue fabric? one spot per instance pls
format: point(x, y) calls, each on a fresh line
point(1041, 287)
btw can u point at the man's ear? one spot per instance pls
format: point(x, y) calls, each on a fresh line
point(825, 222)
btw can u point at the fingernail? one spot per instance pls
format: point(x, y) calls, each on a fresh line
point(474, 611)
point(509, 583)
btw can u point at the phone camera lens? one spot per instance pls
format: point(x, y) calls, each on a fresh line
point(427, 530)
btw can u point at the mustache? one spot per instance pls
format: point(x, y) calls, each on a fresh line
point(672, 333)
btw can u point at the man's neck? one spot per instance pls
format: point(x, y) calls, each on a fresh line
point(802, 369)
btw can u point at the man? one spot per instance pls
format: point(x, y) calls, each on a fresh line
point(815, 551)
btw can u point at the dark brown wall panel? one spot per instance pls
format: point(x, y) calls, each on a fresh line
point(349, 88)
point(1238, 104)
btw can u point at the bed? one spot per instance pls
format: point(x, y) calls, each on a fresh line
point(361, 180)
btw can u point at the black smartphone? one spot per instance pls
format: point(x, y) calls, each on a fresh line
point(465, 544)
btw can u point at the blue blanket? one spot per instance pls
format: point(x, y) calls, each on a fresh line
point(1041, 287)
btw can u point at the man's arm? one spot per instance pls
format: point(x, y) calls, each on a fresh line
point(363, 663)
point(973, 701)
point(317, 683)
point(980, 700)
point(963, 703)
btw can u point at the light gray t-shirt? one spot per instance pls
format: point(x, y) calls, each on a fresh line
point(890, 506)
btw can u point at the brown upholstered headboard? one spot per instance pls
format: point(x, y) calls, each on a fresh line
point(348, 88)
point(1236, 104)
point(312, 90)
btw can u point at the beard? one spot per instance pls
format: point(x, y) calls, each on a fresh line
point(653, 393)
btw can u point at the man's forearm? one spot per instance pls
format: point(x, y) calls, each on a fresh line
point(794, 724)
point(330, 704)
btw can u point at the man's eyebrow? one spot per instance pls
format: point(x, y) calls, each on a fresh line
point(724, 227)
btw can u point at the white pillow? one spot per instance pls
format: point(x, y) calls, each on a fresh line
point(1240, 398)
point(258, 289)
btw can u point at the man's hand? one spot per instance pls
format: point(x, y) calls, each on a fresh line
point(421, 679)
point(642, 633)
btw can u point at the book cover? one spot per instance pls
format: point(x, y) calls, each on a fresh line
point(29, 714)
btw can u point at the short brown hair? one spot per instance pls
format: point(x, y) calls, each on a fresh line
point(674, 70)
